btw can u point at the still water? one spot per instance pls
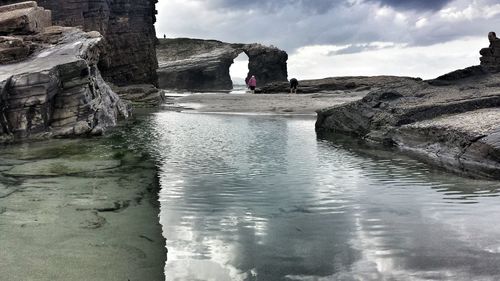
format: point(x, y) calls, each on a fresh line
point(263, 198)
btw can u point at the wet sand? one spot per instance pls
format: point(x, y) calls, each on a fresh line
point(263, 103)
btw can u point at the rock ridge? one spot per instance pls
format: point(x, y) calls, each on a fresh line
point(196, 64)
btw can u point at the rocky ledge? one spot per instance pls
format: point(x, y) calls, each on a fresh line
point(335, 85)
point(195, 64)
point(451, 122)
point(50, 85)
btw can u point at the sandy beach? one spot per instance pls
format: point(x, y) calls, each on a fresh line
point(305, 104)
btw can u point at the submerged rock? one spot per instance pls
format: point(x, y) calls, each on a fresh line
point(195, 64)
point(58, 89)
point(60, 167)
point(451, 121)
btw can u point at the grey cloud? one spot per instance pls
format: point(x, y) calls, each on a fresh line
point(292, 25)
point(308, 6)
point(432, 5)
point(357, 48)
point(323, 6)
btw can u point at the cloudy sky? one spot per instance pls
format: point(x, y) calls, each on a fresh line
point(423, 38)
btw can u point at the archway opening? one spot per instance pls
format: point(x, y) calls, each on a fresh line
point(238, 72)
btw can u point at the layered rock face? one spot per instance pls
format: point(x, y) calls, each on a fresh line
point(268, 64)
point(58, 90)
point(451, 122)
point(490, 57)
point(195, 64)
point(128, 27)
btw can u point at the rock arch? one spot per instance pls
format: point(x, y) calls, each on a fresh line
point(195, 64)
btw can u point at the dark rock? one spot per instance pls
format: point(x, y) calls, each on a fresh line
point(195, 64)
point(13, 49)
point(145, 95)
point(490, 57)
point(336, 84)
point(448, 78)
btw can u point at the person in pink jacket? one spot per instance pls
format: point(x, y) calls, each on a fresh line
point(252, 84)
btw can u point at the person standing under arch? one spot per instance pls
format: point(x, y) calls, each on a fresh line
point(252, 84)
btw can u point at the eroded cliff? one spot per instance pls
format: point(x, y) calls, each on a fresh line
point(128, 27)
point(56, 88)
point(195, 64)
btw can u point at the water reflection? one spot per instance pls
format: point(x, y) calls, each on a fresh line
point(261, 198)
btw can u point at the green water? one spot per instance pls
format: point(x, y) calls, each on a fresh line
point(241, 198)
point(82, 209)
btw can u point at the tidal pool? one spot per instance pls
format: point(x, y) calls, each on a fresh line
point(263, 198)
point(81, 209)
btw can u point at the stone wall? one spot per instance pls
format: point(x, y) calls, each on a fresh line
point(128, 27)
point(490, 57)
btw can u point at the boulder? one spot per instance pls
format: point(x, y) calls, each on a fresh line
point(13, 49)
point(490, 57)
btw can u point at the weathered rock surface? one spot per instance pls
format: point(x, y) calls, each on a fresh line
point(57, 91)
point(127, 26)
point(335, 84)
point(451, 121)
point(140, 95)
point(195, 64)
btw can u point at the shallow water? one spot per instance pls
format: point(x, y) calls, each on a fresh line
point(80, 209)
point(262, 198)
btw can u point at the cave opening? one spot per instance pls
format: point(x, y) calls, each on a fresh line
point(239, 72)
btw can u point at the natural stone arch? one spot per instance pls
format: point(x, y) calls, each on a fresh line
point(195, 64)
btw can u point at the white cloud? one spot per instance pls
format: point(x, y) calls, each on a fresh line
point(421, 23)
point(393, 59)
point(475, 10)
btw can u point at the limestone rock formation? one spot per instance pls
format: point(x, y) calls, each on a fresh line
point(490, 57)
point(58, 90)
point(451, 122)
point(128, 27)
point(195, 64)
